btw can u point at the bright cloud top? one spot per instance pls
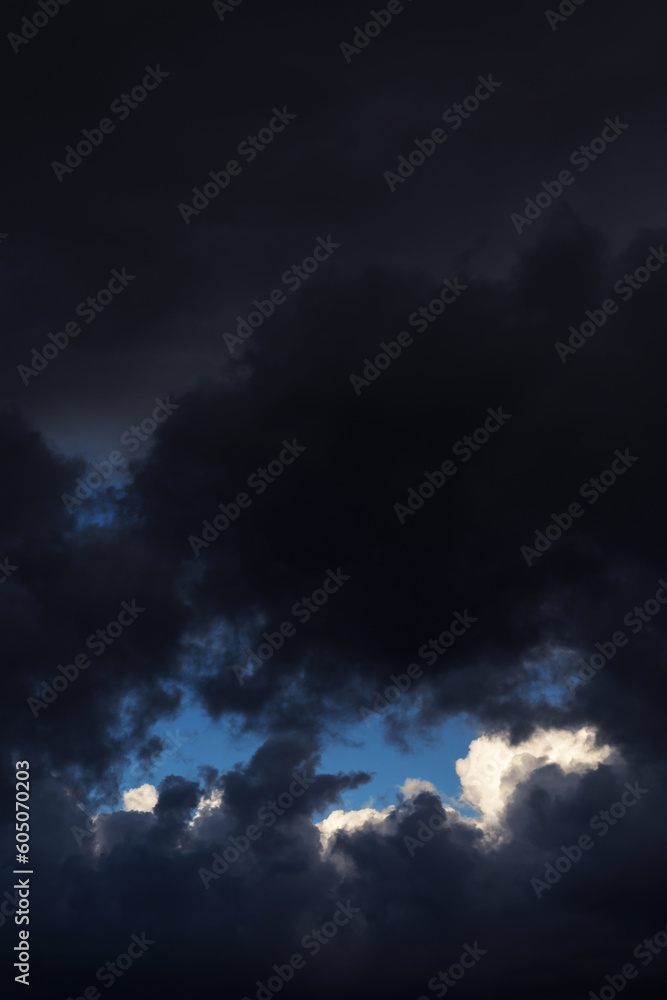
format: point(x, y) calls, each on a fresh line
point(489, 775)
point(143, 799)
point(351, 821)
point(493, 768)
point(207, 805)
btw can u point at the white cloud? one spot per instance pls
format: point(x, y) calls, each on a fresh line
point(492, 769)
point(141, 799)
point(207, 804)
point(353, 820)
point(489, 775)
point(413, 786)
point(356, 819)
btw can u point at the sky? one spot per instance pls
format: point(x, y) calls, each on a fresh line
point(333, 584)
point(190, 748)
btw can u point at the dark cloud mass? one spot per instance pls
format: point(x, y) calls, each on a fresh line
point(354, 487)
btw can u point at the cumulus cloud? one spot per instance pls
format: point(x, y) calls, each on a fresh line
point(413, 786)
point(490, 775)
point(142, 799)
point(207, 805)
point(354, 819)
point(493, 767)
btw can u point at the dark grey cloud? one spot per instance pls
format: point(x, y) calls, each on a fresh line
point(332, 512)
